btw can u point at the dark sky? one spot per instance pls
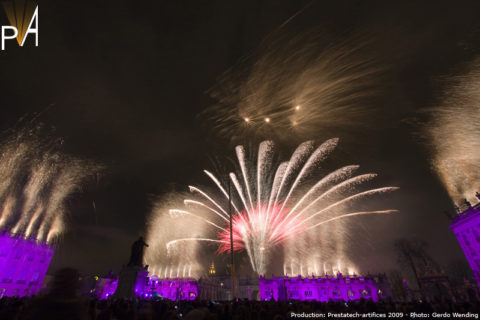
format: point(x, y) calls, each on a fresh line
point(123, 82)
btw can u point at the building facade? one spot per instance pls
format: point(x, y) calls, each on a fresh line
point(220, 288)
point(23, 265)
point(151, 287)
point(466, 227)
point(172, 289)
point(321, 288)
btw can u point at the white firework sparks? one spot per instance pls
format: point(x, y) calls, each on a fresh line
point(301, 86)
point(271, 206)
point(454, 136)
point(36, 180)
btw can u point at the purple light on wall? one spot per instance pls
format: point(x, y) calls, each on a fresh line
point(152, 287)
point(23, 265)
point(172, 289)
point(318, 289)
point(141, 286)
point(466, 227)
point(108, 288)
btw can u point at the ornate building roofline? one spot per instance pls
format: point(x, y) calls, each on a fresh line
point(465, 216)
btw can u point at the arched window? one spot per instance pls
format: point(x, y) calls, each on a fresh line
point(336, 292)
point(350, 292)
point(366, 292)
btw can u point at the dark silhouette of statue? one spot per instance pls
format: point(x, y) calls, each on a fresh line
point(136, 255)
point(133, 276)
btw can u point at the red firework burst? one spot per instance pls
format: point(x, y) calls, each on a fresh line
point(261, 227)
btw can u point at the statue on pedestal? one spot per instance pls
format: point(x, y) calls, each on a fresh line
point(136, 255)
point(133, 276)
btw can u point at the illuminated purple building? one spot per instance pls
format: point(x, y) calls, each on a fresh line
point(172, 289)
point(466, 227)
point(23, 265)
point(319, 289)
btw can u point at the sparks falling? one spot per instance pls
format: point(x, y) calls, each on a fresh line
point(454, 137)
point(269, 204)
point(295, 85)
point(37, 178)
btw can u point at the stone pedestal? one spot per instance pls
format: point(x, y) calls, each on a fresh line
point(131, 282)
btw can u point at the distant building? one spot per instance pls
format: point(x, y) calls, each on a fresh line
point(211, 270)
point(213, 288)
point(220, 288)
point(248, 288)
point(466, 227)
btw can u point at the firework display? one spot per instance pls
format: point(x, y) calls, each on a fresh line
point(37, 179)
point(297, 86)
point(454, 137)
point(239, 159)
point(270, 206)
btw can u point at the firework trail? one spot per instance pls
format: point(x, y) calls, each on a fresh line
point(271, 206)
point(454, 136)
point(295, 85)
point(36, 180)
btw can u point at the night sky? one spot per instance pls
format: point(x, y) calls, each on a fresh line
point(124, 81)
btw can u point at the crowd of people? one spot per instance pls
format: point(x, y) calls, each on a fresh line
point(52, 308)
point(63, 302)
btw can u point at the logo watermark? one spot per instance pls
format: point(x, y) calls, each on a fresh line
point(23, 18)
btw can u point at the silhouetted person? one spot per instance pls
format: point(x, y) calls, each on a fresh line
point(62, 301)
point(136, 255)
